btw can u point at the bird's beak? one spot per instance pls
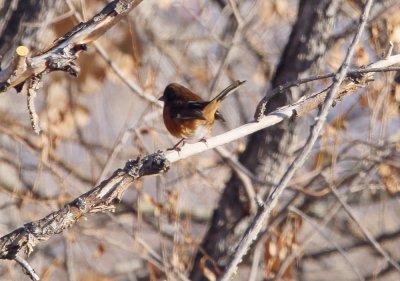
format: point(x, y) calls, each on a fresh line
point(161, 98)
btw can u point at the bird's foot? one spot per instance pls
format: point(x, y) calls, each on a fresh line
point(176, 146)
point(204, 140)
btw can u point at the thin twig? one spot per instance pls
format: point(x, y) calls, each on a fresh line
point(255, 266)
point(34, 85)
point(243, 177)
point(272, 200)
point(62, 54)
point(240, 168)
point(117, 70)
point(351, 74)
point(383, 238)
point(387, 7)
point(228, 52)
point(69, 258)
point(27, 268)
point(340, 249)
point(365, 231)
point(389, 50)
point(204, 25)
point(379, 273)
point(236, 13)
point(333, 210)
point(225, 60)
point(151, 255)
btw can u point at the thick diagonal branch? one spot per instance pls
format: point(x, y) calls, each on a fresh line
point(99, 199)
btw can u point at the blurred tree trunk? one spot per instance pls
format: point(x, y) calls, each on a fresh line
point(268, 152)
point(21, 23)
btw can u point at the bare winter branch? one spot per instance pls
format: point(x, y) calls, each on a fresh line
point(99, 199)
point(27, 268)
point(62, 54)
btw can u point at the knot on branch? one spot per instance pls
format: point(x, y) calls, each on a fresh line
point(152, 164)
point(4, 86)
point(64, 63)
point(63, 59)
point(356, 77)
point(80, 203)
point(32, 227)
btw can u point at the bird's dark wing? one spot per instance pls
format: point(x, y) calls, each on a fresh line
point(190, 110)
point(197, 104)
point(195, 108)
point(189, 114)
point(187, 110)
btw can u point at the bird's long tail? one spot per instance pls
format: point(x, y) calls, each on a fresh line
point(227, 91)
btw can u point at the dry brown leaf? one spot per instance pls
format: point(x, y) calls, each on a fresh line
point(201, 72)
point(158, 207)
point(322, 159)
point(384, 30)
point(394, 102)
point(361, 56)
point(266, 12)
point(155, 274)
point(390, 178)
point(341, 124)
point(100, 250)
point(335, 55)
point(93, 72)
point(60, 120)
point(280, 245)
point(209, 268)
point(124, 48)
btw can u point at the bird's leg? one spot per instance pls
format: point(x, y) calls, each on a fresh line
point(176, 146)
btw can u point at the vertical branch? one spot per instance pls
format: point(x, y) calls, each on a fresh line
point(34, 85)
point(27, 268)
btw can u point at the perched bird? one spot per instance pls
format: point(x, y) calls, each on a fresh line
point(188, 116)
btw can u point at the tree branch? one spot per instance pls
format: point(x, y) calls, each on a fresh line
point(99, 199)
point(62, 54)
point(27, 268)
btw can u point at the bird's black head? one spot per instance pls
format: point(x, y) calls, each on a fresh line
point(170, 93)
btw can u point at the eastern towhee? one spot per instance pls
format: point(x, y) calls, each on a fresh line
point(188, 116)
